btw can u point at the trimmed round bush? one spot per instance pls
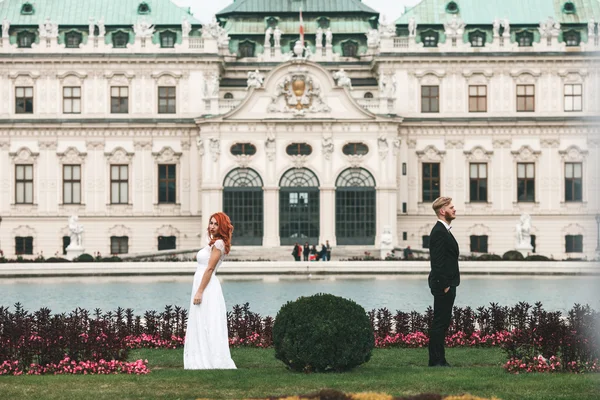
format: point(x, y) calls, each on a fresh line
point(489, 257)
point(112, 259)
point(57, 260)
point(322, 333)
point(85, 257)
point(513, 255)
point(537, 257)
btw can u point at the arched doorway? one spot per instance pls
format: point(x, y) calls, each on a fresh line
point(243, 202)
point(355, 207)
point(299, 207)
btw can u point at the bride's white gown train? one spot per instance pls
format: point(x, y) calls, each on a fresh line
point(206, 340)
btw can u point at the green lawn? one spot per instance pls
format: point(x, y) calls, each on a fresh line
point(394, 371)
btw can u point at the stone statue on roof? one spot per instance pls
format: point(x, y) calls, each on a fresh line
point(328, 37)
point(386, 30)
point(550, 28)
point(255, 79)
point(372, 38)
point(268, 34)
point(342, 78)
point(91, 27)
point(5, 27)
point(592, 27)
point(455, 28)
point(101, 27)
point(143, 29)
point(412, 27)
point(277, 36)
point(496, 27)
point(506, 26)
point(319, 37)
point(186, 27)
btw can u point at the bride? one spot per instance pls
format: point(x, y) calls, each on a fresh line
point(206, 340)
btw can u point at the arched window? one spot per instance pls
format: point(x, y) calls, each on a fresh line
point(572, 38)
point(430, 38)
point(299, 207)
point(73, 39)
point(350, 49)
point(477, 39)
point(167, 39)
point(247, 149)
point(120, 39)
point(525, 39)
point(323, 22)
point(452, 8)
point(143, 8)
point(228, 96)
point(243, 202)
point(355, 207)
point(25, 39)
point(368, 95)
point(298, 149)
point(352, 149)
point(569, 8)
point(27, 9)
point(246, 49)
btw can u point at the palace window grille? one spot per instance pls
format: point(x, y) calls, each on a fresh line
point(526, 182)
point(478, 182)
point(119, 244)
point(431, 181)
point(24, 184)
point(247, 149)
point(72, 100)
point(574, 244)
point(525, 39)
point(299, 207)
point(355, 148)
point(167, 39)
point(25, 39)
point(167, 183)
point(167, 243)
point(525, 98)
point(243, 201)
point(368, 95)
point(573, 181)
point(477, 98)
point(71, 184)
point(572, 38)
point(430, 99)
point(355, 207)
point(430, 39)
point(228, 96)
point(73, 40)
point(298, 149)
point(23, 245)
point(479, 244)
point(574, 97)
point(24, 100)
point(477, 39)
point(120, 40)
point(167, 99)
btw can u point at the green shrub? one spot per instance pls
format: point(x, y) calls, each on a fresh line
point(84, 258)
point(513, 255)
point(537, 257)
point(489, 257)
point(322, 333)
point(57, 260)
point(112, 259)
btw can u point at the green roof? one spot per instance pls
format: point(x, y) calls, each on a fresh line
point(78, 12)
point(519, 12)
point(256, 26)
point(293, 6)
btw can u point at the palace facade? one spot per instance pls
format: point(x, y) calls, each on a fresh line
point(141, 121)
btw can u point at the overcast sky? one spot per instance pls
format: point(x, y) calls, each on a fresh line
point(205, 9)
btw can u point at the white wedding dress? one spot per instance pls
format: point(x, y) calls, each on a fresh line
point(206, 340)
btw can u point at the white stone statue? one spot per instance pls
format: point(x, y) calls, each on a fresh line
point(386, 30)
point(455, 28)
point(186, 27)
point(496, 27)
point(101, 27)
point(255, 79)
point(328, 37)
point(506, 26)
point(277, 36)
point(268, 34)
point(327, 144)
point(386, 237)
point(550, 28)
point(591, 27)
point(48, 29)
point(342, 78)
point(75, 233)
point(212, 86)
point(319, 37)
point(143, 29)
point(372, 38)
point(523, 232)
point(91, 27)
point(5, 27)
point(412, 27)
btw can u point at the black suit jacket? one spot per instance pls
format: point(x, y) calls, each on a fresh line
point(443, 254)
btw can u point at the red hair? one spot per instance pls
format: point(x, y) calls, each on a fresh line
point(224, 232)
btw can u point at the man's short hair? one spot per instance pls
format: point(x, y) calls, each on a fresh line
point(439, 203)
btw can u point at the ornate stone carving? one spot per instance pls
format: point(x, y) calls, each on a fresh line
point(71, 156)
point(243, 160)
point(47, 144)
point(119, 156)
point(478, 153)
point(573, 154)
point(431, 153)
point(215, 148)
point(502, 143)
point(327, 144)
point(94, 144)
point(550, 143)
point(24, 156)
point(299, 161)
point(270, 146)
point(298, 93)
point(383, 146)
point(185, 144)
point(200, 145)
point(355, 160)
point(454, 143)
point(342, 79)
point(255, 80)
point(142, 145)
point(526, 153)
point(143, 29)
point(166, 155)
point(120, 230)
point(455, 28)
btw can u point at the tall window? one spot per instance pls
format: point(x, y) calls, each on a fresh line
point(167, 243)
point(167, 183)
point(478, 182)
point(431, 181)
point(355, 207)
point(573, 97)
point(119, 244)
point(24, 100)
point(243, 202)
point(525, 182)
point(573, 184)
point(72, 100)
point(299, 207)
point(525, 97)
point(119, 184)
point(166, 100)
point(430, 99)
point(479, 244)
point(24, 184)
point(72, 184)
point(119, 99)
point(574, 244)
point(477, 98)
point(23, 245)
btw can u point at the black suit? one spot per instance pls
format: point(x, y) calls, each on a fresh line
point(443, 251)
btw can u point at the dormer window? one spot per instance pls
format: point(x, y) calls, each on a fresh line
point(25, 39)
point(27, 9)
point(569, 8)
point(120, 39)
point(429, 39)
point(572, 38)
point(350, 49)
point(323, 22)
point(272, 22)
point(73, 40)
point(477, 39)
point(246, 49)
point(143, 8)
point(167, 39)
point(452, 8)
point(525, 39)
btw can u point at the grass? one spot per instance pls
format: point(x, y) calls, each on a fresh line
point(398, 372)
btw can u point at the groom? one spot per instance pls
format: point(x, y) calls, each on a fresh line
point(443, 278)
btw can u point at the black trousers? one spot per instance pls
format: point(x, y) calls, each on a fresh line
point(442, 315)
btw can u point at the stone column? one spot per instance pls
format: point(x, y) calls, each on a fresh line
point(271, 216)
point(5, 165)
point(185, 168)
point(47, 176)
point(96, 172)
point(142, 167)
point(327, 215)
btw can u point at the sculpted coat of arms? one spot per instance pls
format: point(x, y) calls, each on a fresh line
point(298, 93)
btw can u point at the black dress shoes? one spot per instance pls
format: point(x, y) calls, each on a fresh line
point(440, 364)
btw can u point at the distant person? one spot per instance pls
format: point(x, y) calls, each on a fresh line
point(443, 278)
point(306, 251)
point(408, 254)
point(323, 253)
point(207, 341)
point(313, 253)
point(328, 250)
point(296, 252)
